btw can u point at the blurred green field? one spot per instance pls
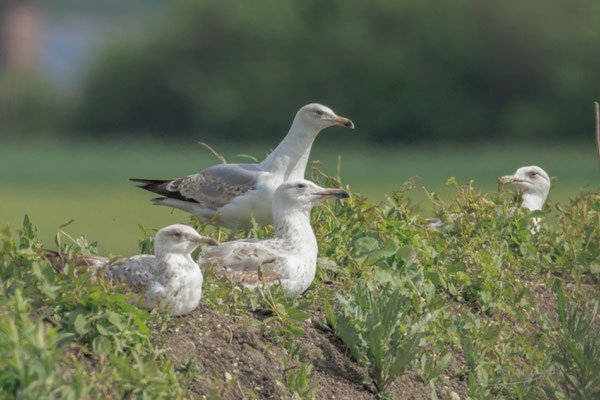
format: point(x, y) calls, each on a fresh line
point(87, 183)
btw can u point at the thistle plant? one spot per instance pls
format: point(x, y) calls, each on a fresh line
point(379, 331)
point(576, 353)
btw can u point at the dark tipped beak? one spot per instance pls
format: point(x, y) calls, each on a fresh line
point(509, 179)
point(333, 194)
point(345, 122)
point(205, 241)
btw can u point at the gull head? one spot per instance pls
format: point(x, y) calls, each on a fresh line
point(530, 180)
point(180, 239)
point(303, 195)
point(317, 116)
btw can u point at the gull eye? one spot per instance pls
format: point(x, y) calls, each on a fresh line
point(319, 112)
point(532, 173)
point(177, 234)
point(301, 185)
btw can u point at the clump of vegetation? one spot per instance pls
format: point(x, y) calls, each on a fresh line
point(55, 326)
point(377, 328)
point(299, 381)
point(576, 350)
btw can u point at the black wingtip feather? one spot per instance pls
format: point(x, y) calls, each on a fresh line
point(149, 181)
point(159, 186)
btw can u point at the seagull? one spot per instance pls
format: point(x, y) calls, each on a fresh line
point(230, 194)
point(169, 280)
point(532, 182)
point(290, 257)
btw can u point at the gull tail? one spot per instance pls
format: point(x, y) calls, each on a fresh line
point(59, 259)
point(172, 197)
point(159, 186)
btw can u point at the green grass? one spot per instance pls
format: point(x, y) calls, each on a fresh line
point(87, 183)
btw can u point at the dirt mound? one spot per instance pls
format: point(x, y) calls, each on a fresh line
point(235, 360)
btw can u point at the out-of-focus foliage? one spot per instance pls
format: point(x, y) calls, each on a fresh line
point(402, 70)
point(28, 104)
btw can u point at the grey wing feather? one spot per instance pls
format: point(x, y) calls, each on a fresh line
point(139, 271)
point(217, 185)
point(243, 256)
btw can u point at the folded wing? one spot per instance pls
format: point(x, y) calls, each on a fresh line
point(250, 262)
point(214, 187)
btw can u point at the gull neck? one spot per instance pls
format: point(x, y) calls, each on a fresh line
point(289, 159)
point(533, 201)
point(294, 225)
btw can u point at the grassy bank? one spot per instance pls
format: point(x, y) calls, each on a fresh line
point(480, 309)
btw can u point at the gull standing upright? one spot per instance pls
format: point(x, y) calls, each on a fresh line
point(229, 194)
point(290, 257)
point(169, 280)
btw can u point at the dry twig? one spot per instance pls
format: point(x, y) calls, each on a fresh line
point(219, 156)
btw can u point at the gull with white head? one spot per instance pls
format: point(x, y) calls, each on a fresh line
point(290, 257)
point(533, 183)
point(230, 194)
point(170, 279)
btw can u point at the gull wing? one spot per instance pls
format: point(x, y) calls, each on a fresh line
point(214, 187)
point(139, 271)
point(248, 261)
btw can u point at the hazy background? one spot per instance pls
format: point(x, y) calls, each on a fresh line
point(92, 93)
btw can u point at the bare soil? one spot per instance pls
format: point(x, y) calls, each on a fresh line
point(235, 359)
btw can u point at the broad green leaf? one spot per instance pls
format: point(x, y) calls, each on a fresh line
point(366, 245)
point(387, 250)
point(102, 345)
point(80, 324)
point(296, 315)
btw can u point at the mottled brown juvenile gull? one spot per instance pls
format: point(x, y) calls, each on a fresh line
point(229, 194)
point(290, 257)
point(170, 279)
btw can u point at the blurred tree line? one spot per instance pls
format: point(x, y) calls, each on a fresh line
point(403, 70)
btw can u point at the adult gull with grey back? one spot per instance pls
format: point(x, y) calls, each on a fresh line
point(229, 194)
point(290, 257)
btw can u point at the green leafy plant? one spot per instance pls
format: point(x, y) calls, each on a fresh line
point(69, 335)
point(432, 368)
point(577, 349)
point(377, 328)
point(299, 380)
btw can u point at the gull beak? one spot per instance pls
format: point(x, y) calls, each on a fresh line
point(509, 179)
point(333, 194)
point(342, 121)
point(204, 240)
